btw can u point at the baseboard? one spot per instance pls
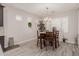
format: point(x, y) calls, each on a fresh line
point(70, 42)
point(25, 41)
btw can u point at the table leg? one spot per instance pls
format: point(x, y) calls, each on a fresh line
point(44, 43)
point(40, 43)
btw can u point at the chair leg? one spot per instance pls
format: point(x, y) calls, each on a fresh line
point(53, 45)
point(37, 42)
point(46, 44)
point(57, 44)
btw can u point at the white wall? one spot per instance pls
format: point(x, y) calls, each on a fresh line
point(78, 26)
point(73, 26)
point(1, 31)
point(18, 28)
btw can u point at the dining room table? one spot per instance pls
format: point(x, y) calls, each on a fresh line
point(43, 38)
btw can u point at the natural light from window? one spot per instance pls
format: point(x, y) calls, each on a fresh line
point(61, 24)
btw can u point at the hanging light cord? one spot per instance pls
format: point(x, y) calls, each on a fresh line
point(47, 11)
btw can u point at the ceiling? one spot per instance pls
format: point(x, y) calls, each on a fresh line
point(40, 8)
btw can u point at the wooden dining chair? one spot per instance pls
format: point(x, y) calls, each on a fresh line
point(54, 39)
point(42, 39)
point(49, 39)
point(57, 39)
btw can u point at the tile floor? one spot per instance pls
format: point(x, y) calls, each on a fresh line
point(30, 49)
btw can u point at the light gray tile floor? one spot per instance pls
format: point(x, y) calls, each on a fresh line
point(30, 49)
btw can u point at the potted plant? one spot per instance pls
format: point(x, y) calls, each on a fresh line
point(41, 26)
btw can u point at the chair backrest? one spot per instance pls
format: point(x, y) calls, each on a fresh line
point(57, 34)
point(37, 33)
point(49, 34)
point(54, 29)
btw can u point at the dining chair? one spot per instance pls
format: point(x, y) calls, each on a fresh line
point(57, 39)
point(49, 39)
point(42, 39)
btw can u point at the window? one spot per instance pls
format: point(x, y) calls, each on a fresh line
point(18, 17)
point(64, 24)
point(61, 24)
point(56, 23)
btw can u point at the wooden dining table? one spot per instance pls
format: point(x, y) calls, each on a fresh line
point(42, 38)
